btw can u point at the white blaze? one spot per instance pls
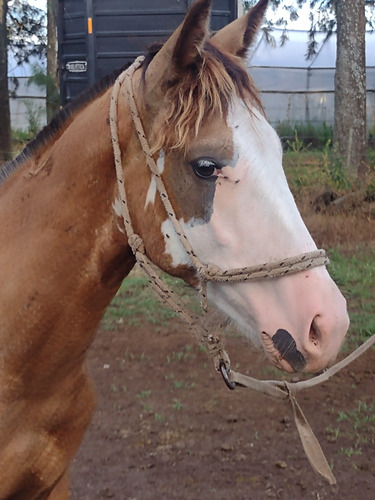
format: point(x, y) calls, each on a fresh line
point(254, 219)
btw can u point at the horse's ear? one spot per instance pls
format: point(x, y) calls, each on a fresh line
point(238, 36)
point(182, 49)
point(194, 31)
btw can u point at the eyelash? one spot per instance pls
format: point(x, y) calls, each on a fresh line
point(205, 168)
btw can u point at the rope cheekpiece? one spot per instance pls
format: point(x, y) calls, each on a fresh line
point(206, 273)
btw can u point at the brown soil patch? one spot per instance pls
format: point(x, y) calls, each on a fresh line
point(167, 427)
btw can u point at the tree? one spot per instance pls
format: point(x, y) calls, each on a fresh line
point(49, 80)
point(350, 132)
point(350, 127)
point(52, 79)
point(26, 26)
point(5, 135)
point(349, 19)
point(22, 31)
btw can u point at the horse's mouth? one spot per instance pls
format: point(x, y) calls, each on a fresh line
point(282, 350)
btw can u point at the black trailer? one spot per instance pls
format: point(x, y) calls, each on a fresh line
point(96, 37)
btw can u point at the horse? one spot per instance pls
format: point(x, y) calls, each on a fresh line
point(65, 251)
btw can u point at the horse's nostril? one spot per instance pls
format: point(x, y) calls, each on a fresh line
point(315, 335)
point(287, 347)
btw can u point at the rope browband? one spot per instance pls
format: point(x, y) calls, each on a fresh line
point(206, 273)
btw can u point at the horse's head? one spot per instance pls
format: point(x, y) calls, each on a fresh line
point(221, 163)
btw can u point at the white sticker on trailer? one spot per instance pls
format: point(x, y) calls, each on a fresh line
point(76, 66)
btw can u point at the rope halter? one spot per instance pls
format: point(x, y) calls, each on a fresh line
point(207, 273)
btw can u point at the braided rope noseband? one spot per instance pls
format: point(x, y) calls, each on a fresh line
point(213, 341)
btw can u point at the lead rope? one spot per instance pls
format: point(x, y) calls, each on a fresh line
point(213, 341)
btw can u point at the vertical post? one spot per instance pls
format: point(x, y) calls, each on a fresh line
point(91, 60)
point(307, 95)
point(52, 64)
point(239, 8)
point(5, 128)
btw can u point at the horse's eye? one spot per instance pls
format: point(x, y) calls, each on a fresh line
point(205, 168)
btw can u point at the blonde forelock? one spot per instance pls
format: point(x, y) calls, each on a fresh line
point(200, 95)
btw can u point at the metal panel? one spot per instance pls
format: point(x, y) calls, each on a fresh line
point(121, 30)
point(72, 40)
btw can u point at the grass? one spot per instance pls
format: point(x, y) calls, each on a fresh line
point(136, 303)
point(354, 429)
point(357, 424)
point(315, 170)
point(176, 404)
point(186, 354)
point(355, 276)
point(305, 170)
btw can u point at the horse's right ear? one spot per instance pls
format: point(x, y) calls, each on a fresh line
point(180, 51)
point(239, 35)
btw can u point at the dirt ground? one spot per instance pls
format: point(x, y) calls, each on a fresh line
point(166, 426)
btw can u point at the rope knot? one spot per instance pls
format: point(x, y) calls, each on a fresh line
point(213, 344)
point(207, 272)
point(136, 243)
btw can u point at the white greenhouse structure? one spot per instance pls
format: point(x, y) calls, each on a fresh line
point(297, 90)
point(27, 101)
point(294, 90)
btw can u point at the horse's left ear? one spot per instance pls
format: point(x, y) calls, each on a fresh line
point(181, 50)
point(238, 36)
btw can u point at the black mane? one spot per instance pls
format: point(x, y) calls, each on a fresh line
point(58, 122)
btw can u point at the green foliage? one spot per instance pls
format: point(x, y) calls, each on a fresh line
point(248, 4)
point(33, 118)
point(186, 354)
point(26, 30)
point(362, 415)
point(355, 275)
point(21, 136)
point(304, 171)
point(334, 168)
point(159, 417)
point(144, 394)
point(311, 170)
point(177, 405)
point(304, 135)
point(297, 145)
point(38, 77)
point(322, 18)
point(45, 81)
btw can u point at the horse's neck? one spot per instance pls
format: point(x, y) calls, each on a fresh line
point(62, 252)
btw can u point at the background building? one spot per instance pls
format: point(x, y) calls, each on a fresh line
point(294, 90)
point(27, 100)
point(297, 90)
